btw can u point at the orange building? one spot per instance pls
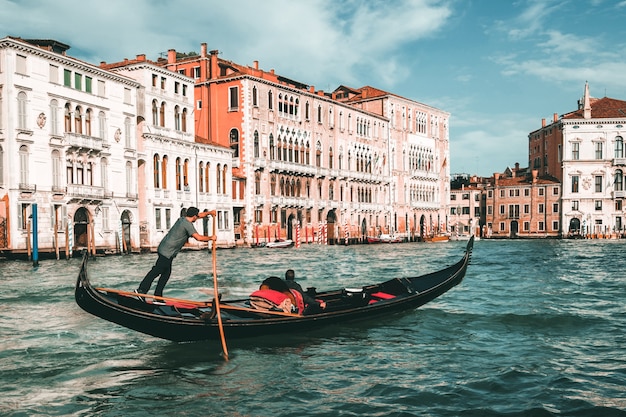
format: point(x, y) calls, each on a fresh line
point(523, 204)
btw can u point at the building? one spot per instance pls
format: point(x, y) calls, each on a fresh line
point(522, 204)
point(467, 205)
point(174, 171)
point(584, 149)
point(316, 166)
point(67, 147)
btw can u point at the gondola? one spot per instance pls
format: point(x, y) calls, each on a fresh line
point(186, 320)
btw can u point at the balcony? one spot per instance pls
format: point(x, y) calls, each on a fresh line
point(619, 161)
point(26, 188)
point(76, 140)
point(87, 194)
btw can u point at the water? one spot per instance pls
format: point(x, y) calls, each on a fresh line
point(537, 328)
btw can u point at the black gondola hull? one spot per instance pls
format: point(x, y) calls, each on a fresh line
point(188, 324)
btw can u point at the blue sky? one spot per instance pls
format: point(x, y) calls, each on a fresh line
point(497, 66)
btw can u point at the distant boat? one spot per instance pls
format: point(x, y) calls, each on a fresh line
point(373, 239)
point(437, 238)
point(286, 243)
point(390, 239)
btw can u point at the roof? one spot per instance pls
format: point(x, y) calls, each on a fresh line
point(601, 108)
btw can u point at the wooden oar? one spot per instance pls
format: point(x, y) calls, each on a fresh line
point(216, 297)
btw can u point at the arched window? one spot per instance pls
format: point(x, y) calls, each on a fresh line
point(22, 117)
point(186, 174)
point(257, 183)
point(234, 142)
point(177, 118)
point(78, 120)
point(255, 98)
point(273, 185)
point(270, 100)
point(88, 114)
point(201, 177)
point(224, 176)
point(256, 144)
point(184, 121)
point(164, 172)
point(330, 157)
point(218, 178)
point(619, 180)
point(318, 154)
point(207, 182)
point(129, 179)
point(104, 177)
point(272, 150)
point(162, 115)
point(68, 118)
point(102, 125)
point(156, 164)
point(619, 147)
point(54, 117)
point(179, 168)
point(155, 113)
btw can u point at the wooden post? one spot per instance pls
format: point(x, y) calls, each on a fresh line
point(67, 241)
point(56, 232)
point(93, 239)
point(28, 240)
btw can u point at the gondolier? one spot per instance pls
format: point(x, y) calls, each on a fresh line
point(169, 247)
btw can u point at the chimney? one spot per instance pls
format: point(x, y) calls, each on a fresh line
point(255, 64)
point(203, 50)
point(555, 117)
point(214, 66)
point(141, 57)
point(535, 173)
point(312, 89)
point(171, 56)
point(543, 122)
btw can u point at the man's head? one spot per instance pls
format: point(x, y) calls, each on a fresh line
point(290, 275)
point(192, 212)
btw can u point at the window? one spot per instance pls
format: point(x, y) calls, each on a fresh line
point(541, 227)
point(540, 208)
point(164, 172)
point(196, 72)
point(54, 74)
point(56, 170)
point(20, 64)
point(163, 79)
point(78, 81)
point(575, 180)
point(598, 181)
point(575, 205)
point(127, 96)
point(129, 179)
point(541, 192)
point(555, 207)
point(157, 218)
point(598, 148)
point(619, 147)
point(156, 166)
point(233, 98)
point(234, 142)
point(54, 117)
point(256, 144)
point(598, 205)
point(177, 118)
point(22, 118)
point(186, 174)
point(176, 87)
point(24, 164)
point(88, 82)
point(168, 218)
point(102, 126)
point(619, 180)
point(67, 78)
point(255, 96)
point(179, 168)
point(575, 151)
point(127, 133)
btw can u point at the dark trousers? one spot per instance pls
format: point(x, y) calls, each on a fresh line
point(162, 267)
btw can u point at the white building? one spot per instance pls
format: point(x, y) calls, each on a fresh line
point(67, 144)
point(174, 171)
point(593, 162)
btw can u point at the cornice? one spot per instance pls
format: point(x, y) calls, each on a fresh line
point(67, 61)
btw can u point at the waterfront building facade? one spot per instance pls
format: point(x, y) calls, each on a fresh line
point(314, 166)
point(522, 204)
point(584, 149)
point(467, 206)
point(174, 171)
point(68, 146)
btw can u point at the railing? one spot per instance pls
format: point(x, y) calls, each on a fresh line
point(83, 141)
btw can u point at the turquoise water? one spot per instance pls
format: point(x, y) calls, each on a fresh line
point(537, 328)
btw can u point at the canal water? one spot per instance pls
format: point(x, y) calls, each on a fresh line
point(537, 328)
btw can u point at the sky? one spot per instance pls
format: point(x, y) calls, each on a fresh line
point(498, 67)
